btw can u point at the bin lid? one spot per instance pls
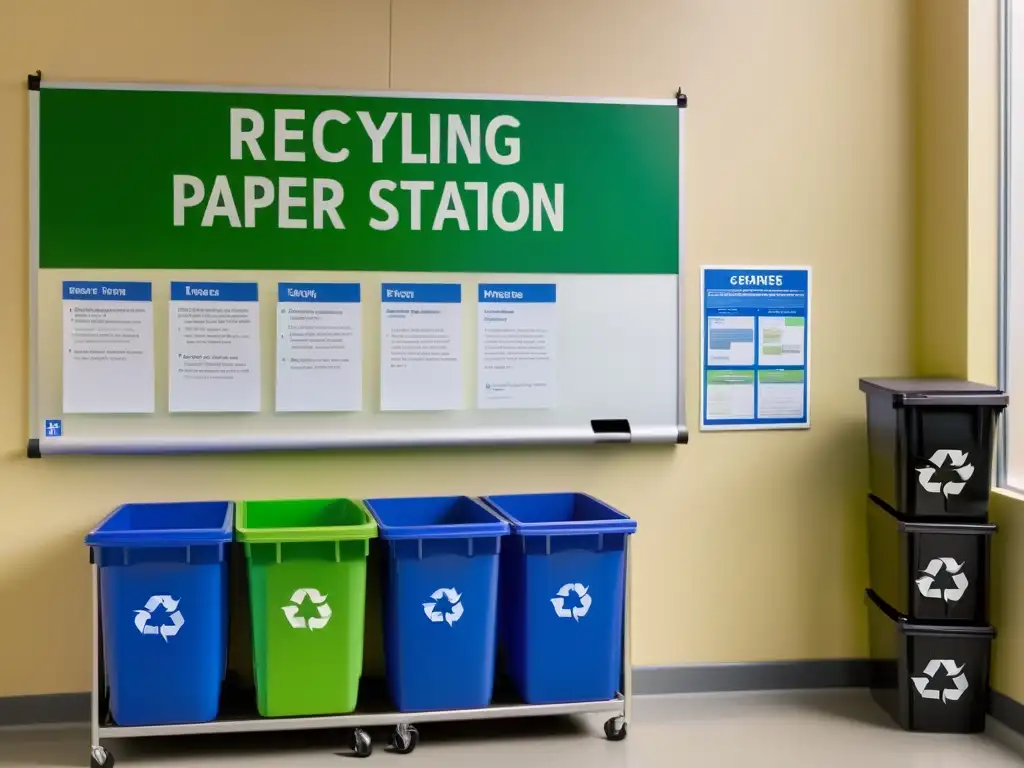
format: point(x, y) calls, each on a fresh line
point(934, 392)
point(913, 525)
point(284, 521)
point(435, 517)
point(171, 524)
point(560, 514)
point(908, 627)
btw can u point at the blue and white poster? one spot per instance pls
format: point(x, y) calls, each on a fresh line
point(755, 348)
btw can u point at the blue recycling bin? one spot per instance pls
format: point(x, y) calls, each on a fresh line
point(562, 596)
point(440, 600)
point(163, 609)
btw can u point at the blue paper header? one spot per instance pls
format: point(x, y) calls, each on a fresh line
point(421, 293)
point(215, 292)
point(332, 293)
point(733, 291)
point(516, 293)
point(83, 290)
point(755, 279)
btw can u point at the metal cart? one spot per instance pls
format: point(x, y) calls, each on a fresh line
point(404, 737)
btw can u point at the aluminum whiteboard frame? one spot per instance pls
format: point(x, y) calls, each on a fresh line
point(620, 707)
point(39, 445)
point(33, 271)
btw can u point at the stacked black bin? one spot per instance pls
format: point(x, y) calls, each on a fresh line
point(930, 446)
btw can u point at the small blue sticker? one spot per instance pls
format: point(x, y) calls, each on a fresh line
point(53, 428)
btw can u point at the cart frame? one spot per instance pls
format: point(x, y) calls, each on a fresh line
point(403, 739)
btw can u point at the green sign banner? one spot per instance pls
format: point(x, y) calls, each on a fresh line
point(165, 178)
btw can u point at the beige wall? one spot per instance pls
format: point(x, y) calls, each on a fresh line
point(956, 131)
point(751, 545)
point(940, 78)
point(1007, 512)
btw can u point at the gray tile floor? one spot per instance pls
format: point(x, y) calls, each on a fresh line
point(771, 730)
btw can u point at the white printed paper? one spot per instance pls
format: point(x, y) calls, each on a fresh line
point(730, 341)
point(108, 347)
point(781, 341)
point(319, 347)
point(214, 361)
point(421, 347)
point(729, 395)
point(516, 327)
point(780, 394)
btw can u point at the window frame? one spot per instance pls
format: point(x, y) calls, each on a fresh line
point(1011, 26)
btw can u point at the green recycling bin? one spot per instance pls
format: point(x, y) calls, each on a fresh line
point(307, 588)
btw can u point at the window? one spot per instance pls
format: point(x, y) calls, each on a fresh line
point(1011, 311)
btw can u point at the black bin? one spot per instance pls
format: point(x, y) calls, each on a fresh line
point(930, 572)
point(930, 445)
point(927, 677)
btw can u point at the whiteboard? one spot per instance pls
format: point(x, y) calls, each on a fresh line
point(614, 258)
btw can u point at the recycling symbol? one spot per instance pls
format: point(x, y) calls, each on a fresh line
point(957, 462)
point(576, 593)
point(170, 605)
point(950, 595)
point(291, 611)
point(454, 612)
point(956, 677)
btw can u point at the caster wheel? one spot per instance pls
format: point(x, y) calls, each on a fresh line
point(100, 758)
point(361, 743)
point(615, 729)
point(404, 739)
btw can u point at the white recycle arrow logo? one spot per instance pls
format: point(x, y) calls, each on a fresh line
point(165, 631)
point(952, 594)
point(957, 461)
point(956, 677)
point(577, 612)
point(452, 615)
point(291, 611)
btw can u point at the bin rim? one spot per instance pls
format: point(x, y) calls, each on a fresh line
point(290, 535)
point(622, 523)
point(166, 537)
point(915, 525)
point(495, 529)
point(934, 392)
point(908, 627)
